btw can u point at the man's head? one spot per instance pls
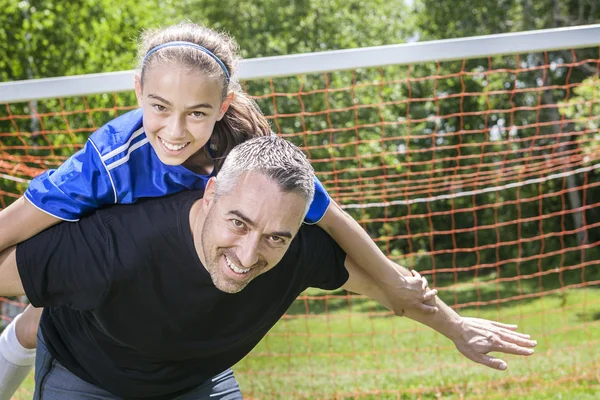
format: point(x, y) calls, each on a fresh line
point(253, 210)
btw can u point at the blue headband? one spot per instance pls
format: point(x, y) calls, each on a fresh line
point(190, 44)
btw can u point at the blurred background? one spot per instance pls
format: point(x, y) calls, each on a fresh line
point(479, 172)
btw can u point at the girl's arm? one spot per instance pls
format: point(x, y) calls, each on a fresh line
point(20, 221)
point(10, 281)
point(80, 185)
point(409, 288)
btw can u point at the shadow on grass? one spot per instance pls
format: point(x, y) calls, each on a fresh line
point(585, 317)
point(468, 294)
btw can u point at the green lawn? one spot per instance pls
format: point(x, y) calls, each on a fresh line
point(365, 353)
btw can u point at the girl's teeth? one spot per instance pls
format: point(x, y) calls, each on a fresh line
point(173, 147)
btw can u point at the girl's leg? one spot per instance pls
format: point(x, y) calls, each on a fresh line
point(17, 350)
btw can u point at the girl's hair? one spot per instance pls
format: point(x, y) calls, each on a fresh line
point(243, 119)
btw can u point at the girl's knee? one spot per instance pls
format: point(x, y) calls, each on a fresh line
point(27, 326)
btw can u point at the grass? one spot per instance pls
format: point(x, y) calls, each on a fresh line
point(349, 348)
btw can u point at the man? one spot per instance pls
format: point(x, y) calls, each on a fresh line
point(119, 285)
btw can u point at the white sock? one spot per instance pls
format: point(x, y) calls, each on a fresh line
point(15, 361)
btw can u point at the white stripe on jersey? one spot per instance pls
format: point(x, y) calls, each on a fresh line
point(122, 148)
point(107, 172)
point(126, 158)
point(46, 212)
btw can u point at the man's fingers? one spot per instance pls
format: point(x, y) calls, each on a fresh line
point(486, 336)
point(508, 342)
point(512, 348)
point(501, 325)
point(513, 333)
point(493, 362)
point(503, 328)
point(517, 340)
point(481, 358)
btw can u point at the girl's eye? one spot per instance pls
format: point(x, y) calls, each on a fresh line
point(159, 107)
point(198, 114)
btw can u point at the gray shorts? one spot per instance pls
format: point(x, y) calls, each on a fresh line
point(55, 382)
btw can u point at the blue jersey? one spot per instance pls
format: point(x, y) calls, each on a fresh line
point(118, 165)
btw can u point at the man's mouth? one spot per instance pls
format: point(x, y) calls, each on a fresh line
point(235, 268)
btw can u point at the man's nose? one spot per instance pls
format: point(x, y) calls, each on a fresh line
point(248, 251)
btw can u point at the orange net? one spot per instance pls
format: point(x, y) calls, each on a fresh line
point(481, 174)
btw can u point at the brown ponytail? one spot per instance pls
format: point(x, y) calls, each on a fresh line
point(242, 121)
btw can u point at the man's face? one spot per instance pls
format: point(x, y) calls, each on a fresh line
point(247, 231)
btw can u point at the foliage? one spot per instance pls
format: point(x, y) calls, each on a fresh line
point(374, 127)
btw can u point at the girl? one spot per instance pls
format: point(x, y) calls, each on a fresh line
point(192, 113)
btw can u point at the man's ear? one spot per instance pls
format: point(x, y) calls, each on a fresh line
point(225, 105)
point(210, 191)
point(137, 80)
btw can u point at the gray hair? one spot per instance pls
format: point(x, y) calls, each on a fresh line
point(276, 158)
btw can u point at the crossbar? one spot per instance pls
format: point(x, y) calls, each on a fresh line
point(326, 61)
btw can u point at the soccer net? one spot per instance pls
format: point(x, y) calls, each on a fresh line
point(473, 161)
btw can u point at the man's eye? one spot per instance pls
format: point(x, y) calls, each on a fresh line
point(237, 223)
point(198, 114)
point(159, 107)
point(276, 239)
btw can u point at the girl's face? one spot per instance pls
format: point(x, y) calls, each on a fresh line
point(180, 110)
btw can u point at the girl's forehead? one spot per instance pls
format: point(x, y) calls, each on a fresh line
point(181, 85)
point(171, 70)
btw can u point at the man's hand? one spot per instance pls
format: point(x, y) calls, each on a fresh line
point(410, 292)
point(481, 336)
point(473, 337)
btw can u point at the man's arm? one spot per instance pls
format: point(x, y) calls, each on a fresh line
point(473, 337)
point(10, 281)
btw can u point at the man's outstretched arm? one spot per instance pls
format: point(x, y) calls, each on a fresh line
point(473, 337)
point(10, 281)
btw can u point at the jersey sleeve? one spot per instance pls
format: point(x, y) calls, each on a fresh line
point(80, 185)
point(319, 205)
point(323, 258)
point(67, 265)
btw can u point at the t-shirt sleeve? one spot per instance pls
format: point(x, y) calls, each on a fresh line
point(67, 265)
point(319, 205)
point(80, 185)
point(323, 258)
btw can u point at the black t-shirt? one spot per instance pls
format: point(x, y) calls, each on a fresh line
point(130, 307)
